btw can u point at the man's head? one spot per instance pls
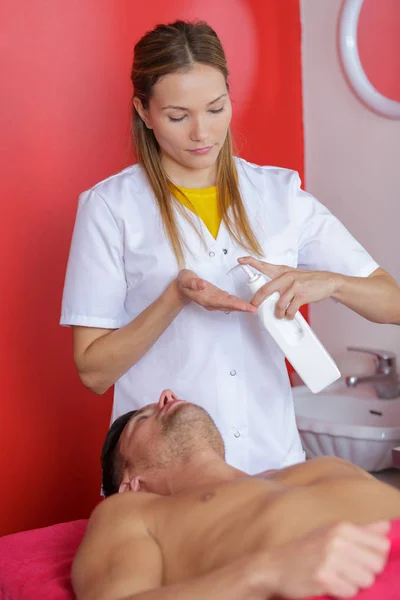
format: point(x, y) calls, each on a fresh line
point(145, 445)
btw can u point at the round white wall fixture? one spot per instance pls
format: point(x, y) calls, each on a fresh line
point(353, 68)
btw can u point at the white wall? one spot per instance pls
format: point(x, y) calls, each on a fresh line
point(352, 164)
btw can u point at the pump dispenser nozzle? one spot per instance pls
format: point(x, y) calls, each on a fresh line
point(248, 271)
point(250, 274)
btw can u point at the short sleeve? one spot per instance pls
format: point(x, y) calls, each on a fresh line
point(95, 285)
point(324, 243)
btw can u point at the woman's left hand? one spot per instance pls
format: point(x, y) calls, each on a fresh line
point(296, 287)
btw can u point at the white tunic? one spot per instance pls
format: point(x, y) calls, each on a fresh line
point(120, 262)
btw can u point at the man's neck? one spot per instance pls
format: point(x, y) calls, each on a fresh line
point(197, 471)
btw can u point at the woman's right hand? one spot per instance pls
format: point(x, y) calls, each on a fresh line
point(192, 288)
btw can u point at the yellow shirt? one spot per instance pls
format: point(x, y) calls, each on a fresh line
point(203, 202)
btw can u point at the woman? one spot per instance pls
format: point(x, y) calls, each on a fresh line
point(147, 289)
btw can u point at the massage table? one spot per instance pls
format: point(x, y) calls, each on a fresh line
point(36, 564)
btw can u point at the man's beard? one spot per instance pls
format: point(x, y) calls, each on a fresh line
point(190, 425)
point(187, 430)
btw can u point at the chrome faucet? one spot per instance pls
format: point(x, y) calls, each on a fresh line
point(385, 379)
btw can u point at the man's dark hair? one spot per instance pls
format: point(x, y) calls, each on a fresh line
point(112, 464)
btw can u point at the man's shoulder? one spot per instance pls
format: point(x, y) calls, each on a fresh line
point(118, 549)
point(121, 509)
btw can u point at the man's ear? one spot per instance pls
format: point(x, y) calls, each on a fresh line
point(129, 484)
point(142, 112)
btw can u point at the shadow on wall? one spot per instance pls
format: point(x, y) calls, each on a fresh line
point(66, 125)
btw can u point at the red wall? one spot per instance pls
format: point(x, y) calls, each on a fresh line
point(64, 123)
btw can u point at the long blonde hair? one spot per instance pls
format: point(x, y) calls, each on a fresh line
point(164, 50)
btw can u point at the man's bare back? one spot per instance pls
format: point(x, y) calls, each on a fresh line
point(162, 539)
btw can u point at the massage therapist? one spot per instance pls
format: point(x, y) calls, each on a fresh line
point(147, 291)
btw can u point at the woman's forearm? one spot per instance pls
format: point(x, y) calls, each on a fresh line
point(113, 353)
point(377, 297)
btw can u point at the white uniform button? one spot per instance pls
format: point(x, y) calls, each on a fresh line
point(237, 434)
point(233, 373)
point(227, 312)
point(211, 254)
point(224, 250)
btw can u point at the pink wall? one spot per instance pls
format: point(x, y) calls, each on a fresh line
point(352, 157)
point(65, 124)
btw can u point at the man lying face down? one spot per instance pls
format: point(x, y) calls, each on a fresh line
point(187, 526)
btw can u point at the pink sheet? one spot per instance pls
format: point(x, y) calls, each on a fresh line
point(36, 564)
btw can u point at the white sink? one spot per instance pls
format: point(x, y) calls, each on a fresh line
point(350, 423)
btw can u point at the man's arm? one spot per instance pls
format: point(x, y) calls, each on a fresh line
point(119, 560)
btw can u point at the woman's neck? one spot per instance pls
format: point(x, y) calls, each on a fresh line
point(186, 177)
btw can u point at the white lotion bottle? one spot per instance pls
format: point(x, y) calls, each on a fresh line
point(296, 339)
